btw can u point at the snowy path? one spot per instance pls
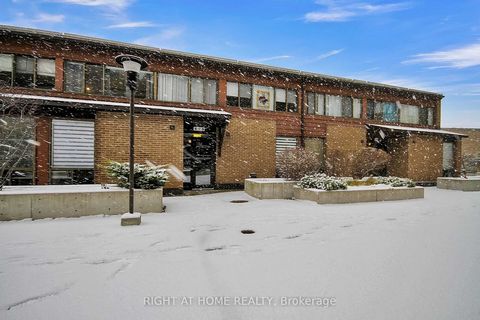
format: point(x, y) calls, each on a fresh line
point(414, 259)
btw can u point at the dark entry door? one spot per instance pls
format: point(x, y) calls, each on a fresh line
point(199, 152)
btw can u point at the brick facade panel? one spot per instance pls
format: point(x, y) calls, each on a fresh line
point(154, 141)
point(249, 146)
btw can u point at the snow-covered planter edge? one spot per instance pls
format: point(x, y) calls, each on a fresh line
point(379, 193)
point(471, 183)
point(269, 188)
point(38, 202)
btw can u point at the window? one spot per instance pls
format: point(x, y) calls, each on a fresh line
point(423, 116)
point(45, 78)
point(144, 85)
point(232, 94)
point(409, 114)
point(390, 111)
point(93, 79)
point(347, 106)
point(292, 101)
point(176, 88)
point(24, 68)
point(386, 111)
point(263, 98)
point(370, 109)
point(280, 99)
point(74, 77)
point(15, 133)
point(430, 117)
point(320, 108)
point(245, 91)
point(357, 108)
point(104, 80)
point(310, 103)
point(115, 82)
point(72, 151)
point(6, 69)
point(203, 91)
point(210, 87)
point(333, 106)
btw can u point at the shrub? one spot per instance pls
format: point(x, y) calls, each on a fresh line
point(146, 177)
point(295, 163)
point(369, 161)
point(396, 182)
point(322, 181)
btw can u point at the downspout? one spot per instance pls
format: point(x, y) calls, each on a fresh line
point(302, 113)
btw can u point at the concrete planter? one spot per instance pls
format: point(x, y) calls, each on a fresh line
point(472, 183)
point(37, 202)
point(269, 188)
point(358, 195)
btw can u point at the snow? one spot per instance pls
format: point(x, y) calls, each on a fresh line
point(410, 259)
point(110, 103)
point(133, 215)
point(402, 128)
point(60, 189)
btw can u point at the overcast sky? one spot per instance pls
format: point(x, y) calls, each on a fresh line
point(429, 45)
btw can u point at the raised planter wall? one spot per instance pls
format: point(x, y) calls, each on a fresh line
point(269, 188)
point(37, 202)
point(472, 183)
point(358, 195)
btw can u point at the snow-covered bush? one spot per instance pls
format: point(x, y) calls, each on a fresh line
point(369, 161)
point(322, 181)
point(292, 164)
point(396, 182)
point(146, 177)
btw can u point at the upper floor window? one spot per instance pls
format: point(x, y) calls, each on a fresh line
point(176, 88)
point(104, 80)
point(261, 97)
point(380, 110)
point(399, 112)
point(27, 71)
point(333, 105)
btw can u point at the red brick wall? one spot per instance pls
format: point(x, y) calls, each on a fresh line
point(43, 135)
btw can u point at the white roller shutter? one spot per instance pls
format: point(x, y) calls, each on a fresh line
point(284, 143)
point(73, 144)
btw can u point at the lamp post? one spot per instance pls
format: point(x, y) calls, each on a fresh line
point(132, 66)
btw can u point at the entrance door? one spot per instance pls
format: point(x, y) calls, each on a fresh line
point(199, 152)
point(448, 162)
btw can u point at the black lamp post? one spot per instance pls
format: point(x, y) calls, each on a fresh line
point(132, 66)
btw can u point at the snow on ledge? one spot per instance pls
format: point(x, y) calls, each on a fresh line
point(79, 188)
point(134, 215)
point(111, 103)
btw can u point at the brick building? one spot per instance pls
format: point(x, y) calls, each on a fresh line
point(217, 119)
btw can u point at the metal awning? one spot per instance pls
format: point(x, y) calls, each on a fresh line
point(118, 106)
point(416, 130)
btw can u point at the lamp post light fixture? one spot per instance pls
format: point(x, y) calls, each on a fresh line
point(132, 66)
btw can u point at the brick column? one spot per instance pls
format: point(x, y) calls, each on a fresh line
point(59, 74)
point(364, 108)
point(222, 93)
point(42, 151)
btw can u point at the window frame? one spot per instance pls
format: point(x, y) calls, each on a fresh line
point(13, 72)
point(189, 89)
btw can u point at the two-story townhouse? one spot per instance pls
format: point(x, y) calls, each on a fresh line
point(218, 120)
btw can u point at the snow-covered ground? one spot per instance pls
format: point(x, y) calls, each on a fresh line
point(411, 259)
